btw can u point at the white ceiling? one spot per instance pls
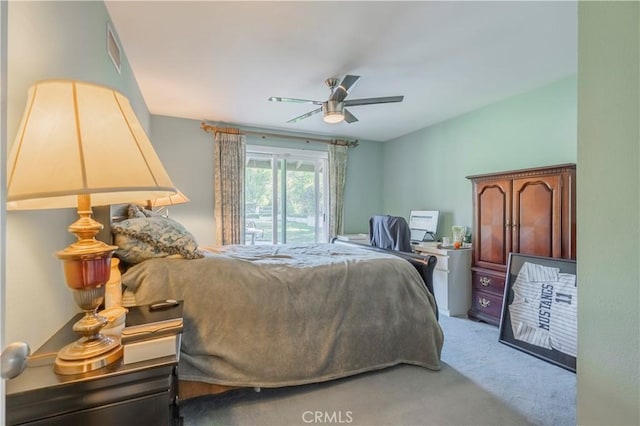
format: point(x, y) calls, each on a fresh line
point(220, 61)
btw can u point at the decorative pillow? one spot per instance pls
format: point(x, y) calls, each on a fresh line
point(141, 238)
point(135, 210)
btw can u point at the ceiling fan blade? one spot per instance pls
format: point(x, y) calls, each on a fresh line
point(303, 116)
point(301, 101)
point(348, 117)
point(367, 101)
point(342, 90)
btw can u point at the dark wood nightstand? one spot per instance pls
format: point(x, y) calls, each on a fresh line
point(142, 393)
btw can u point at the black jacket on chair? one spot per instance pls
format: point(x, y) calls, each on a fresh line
point(390, 232)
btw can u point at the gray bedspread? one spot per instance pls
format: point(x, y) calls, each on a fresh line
point(283, 315)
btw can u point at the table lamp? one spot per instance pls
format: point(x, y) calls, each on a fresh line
point(80, 144)
point(171, 200)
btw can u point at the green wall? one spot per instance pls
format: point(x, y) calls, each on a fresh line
point(49, 40)
point(608, 223)
point(187, 153)
point(363, 193)
point(427, 169)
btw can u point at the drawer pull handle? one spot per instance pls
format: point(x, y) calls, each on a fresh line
point(485, 281)
point(484, 302)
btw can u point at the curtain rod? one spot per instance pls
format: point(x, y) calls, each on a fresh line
point(213, 129)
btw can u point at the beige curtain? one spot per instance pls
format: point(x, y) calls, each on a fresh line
point(337, 178)
point(229, 153)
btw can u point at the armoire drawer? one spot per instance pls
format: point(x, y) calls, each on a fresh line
point(486, 306)
point(488, 281)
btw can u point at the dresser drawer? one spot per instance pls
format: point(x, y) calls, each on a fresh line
point(486, 306)
point(490, 282)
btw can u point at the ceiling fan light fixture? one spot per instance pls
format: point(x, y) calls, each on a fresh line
point(333, 112)
point(333, 117)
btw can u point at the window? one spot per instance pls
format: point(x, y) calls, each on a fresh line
point(285, 196)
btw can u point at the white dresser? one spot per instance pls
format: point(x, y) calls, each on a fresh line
point(451, 278)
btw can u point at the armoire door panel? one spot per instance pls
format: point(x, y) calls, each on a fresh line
point(536, 216)
point(493, 223)
point(568, 222)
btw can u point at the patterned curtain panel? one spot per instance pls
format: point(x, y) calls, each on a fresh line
point(337, 177)
point(229, 152)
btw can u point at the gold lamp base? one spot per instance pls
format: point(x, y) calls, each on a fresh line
point(75, 358)
point(94, 350)
point(87, 267)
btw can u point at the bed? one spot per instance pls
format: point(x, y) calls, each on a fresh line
point(284, 315)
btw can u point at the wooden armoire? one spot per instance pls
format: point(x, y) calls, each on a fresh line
point(529, 211)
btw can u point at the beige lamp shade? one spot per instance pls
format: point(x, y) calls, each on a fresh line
point(78, 138)
point(171, 200)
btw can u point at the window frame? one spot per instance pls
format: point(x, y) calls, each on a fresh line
point(321, 161)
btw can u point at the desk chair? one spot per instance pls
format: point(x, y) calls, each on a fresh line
point(390, 232)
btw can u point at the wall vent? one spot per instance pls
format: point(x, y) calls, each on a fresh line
point(113, 48)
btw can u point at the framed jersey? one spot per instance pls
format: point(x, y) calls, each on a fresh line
point(539, 312)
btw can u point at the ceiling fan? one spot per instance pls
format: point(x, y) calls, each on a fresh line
point(334, 108)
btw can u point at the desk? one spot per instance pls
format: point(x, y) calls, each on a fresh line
point(451, 278)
